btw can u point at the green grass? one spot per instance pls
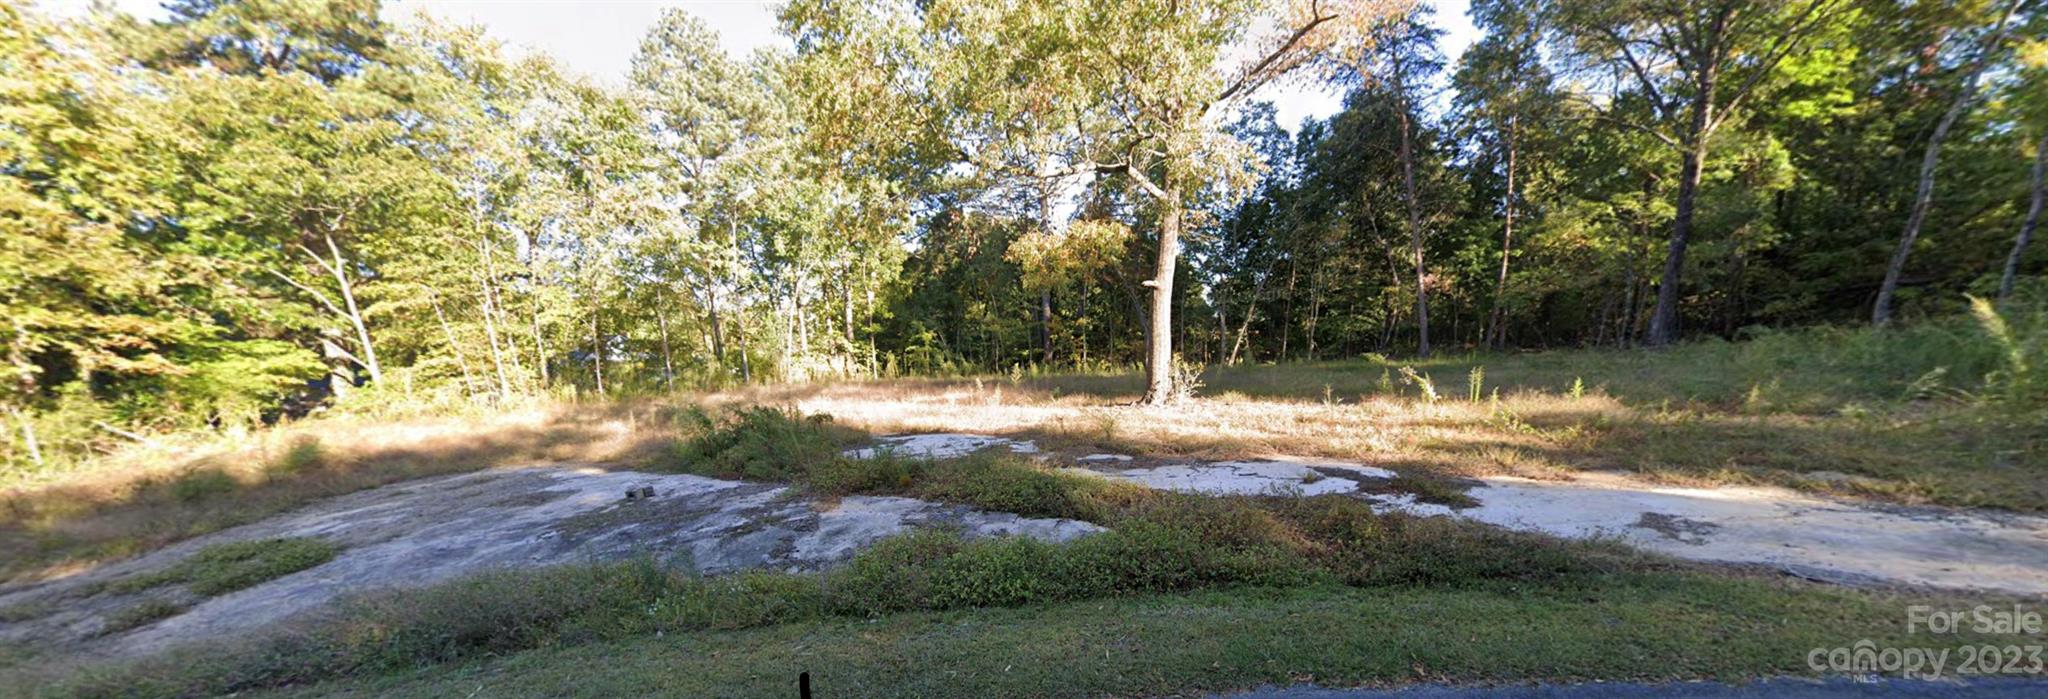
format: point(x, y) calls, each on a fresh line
point(223, 568)
point(141, 614)
point(1617, 627)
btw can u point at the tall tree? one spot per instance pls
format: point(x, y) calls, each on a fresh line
point(1693, 63)
point(1984, 51)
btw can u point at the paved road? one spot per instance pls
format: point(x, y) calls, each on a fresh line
point(2029, 688)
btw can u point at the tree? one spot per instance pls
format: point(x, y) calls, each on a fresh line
point(1505, 95)
point(1923, 197)
point(2029, 102)
point(1141, 87)
point(1693, 64)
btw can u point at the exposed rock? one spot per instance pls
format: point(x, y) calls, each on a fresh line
point(941, 446)
point(1104, 458)
point(427, 531)
point(1303, 476)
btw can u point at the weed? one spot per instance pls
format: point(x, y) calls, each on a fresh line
point(304, 454)
point(140, 614)
point(202, 484)
point(765, 443)
point(227, 567)
point(1421, 382)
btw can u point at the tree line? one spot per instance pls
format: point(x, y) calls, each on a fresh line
point(249, 209)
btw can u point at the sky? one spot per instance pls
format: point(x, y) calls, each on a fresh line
point(597, 38)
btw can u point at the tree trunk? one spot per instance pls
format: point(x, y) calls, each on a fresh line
point(1287, 323)
point(1664, 317)
point(668, 363)
point(717, 322)
point(739, 329)
point(1494, 334)
point(355, 314)
point(1923, 194)
point(1414, 230)
point(1045, 325)
point(487, 295)
point(596, 354)
point(461, 358)
point(339, 377)
point(1159, 341)
point(2033, 219)
point(28, 435)
point(540, 345)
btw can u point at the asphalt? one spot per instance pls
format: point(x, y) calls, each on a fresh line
point(2002, 688)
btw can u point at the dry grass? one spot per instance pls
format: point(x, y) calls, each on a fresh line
point(1530, 424)
point(1675, 417)
point(145, 498)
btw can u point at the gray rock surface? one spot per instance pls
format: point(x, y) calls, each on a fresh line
point(432, 530)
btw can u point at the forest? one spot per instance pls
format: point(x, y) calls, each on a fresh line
point(251, 211)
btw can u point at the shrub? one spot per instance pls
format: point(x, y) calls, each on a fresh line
point(765, 443)
point(304, 454)
point(883, 473)
point(894, 575)
point(202, 484)
point(1003, 572)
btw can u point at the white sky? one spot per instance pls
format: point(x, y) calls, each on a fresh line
point(598, 37)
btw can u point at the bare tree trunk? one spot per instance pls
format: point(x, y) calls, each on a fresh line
point(1251, 310)
point(461, 358)
point(540, 345)
point(339, 377)
point(1494, 334)
point(668, 363)
point(1315, 310)
point(739, 329)
point(1045, 325)
point(717, 322)
point(355, 314)
point(1923, 194)
point(1415, 234)
point(489, 295)
point(28, 435)
point(1159, 342)
point(2033, 219)
point(596, 354)
point(1287, 323)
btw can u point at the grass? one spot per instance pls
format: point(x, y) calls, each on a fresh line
point(1469, 602)
point(222, 568)
point(754, 633)
point(1918, 415)
point(1156, 543)
point(143, 613)
point(141, 500)
point(1933, 413)
point(1213, 641)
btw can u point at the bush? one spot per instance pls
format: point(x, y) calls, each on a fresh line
point(883, 473)
point(202, 484)
point(1007, 483)
point(1004, 572)
point(765, 443)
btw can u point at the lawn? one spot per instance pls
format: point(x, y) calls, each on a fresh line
point(1640, 627)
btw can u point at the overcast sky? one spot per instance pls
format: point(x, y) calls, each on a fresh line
point(598, 37)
